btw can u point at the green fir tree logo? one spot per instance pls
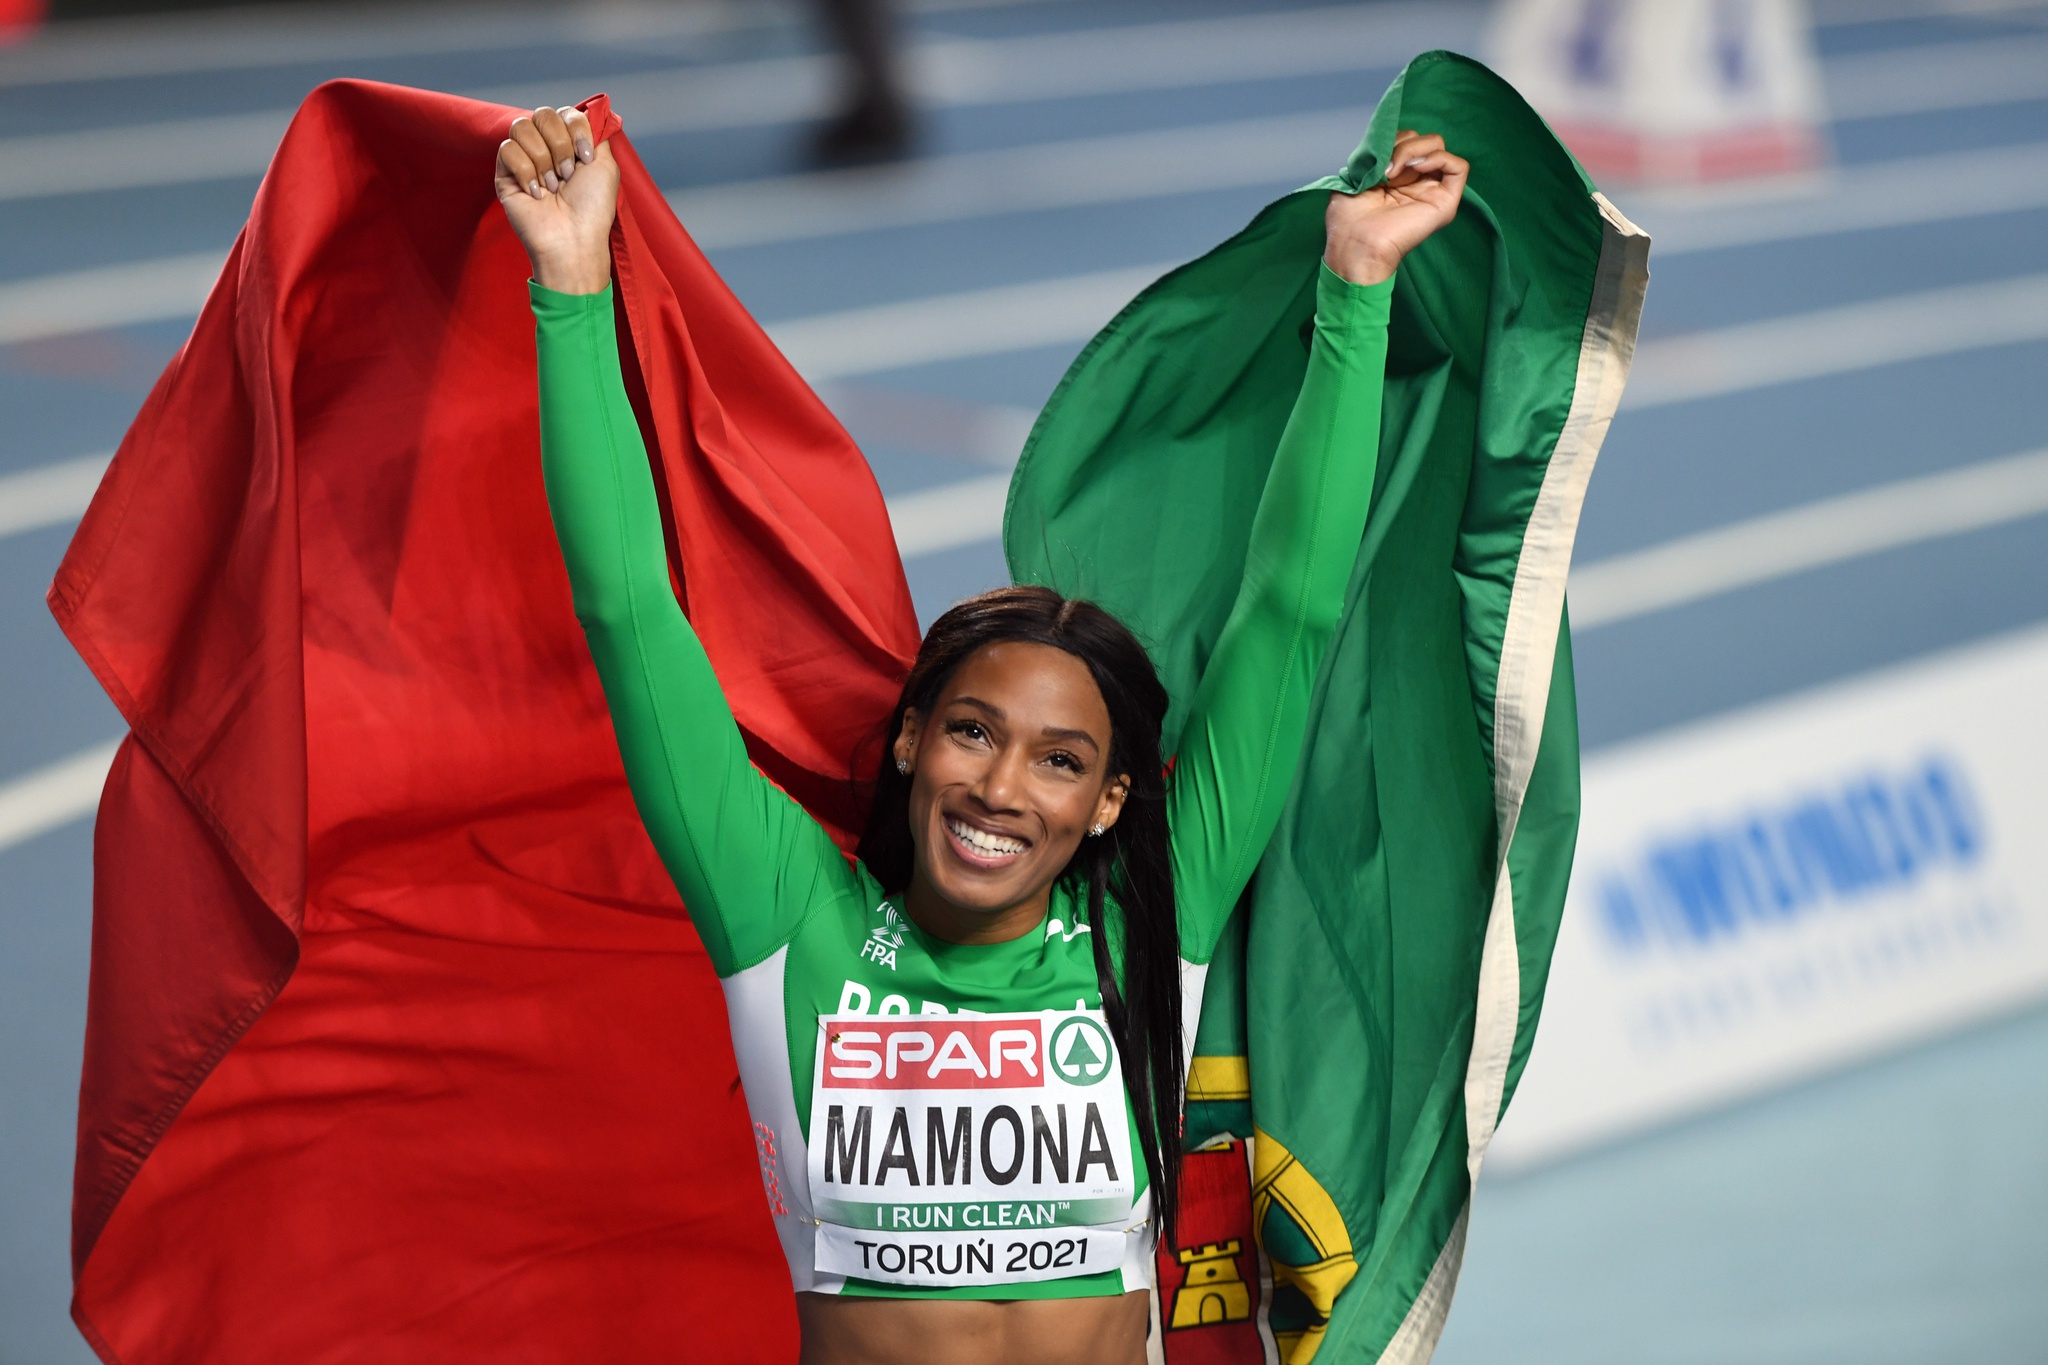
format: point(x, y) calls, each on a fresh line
point(1081, 1051)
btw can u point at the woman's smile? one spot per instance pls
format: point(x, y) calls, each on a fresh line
point(981, 847)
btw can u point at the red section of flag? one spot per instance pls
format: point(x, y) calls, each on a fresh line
point(398, 1047)
point(1209, 1277)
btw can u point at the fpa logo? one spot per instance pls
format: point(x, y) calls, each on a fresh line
point(1080, 1051)
point(885, 938)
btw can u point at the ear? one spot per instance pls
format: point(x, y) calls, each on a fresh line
point(904, 751)
point(1110, 804)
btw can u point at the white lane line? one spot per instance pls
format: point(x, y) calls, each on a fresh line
point(1051, 312)
point(1885, 194)
point(166, 289)
point(944, 72)
point(967, 73)
point(1846, 13)
point(953, 73)
point(327, 36)
point(1858, 336)
point(1937, 76)
point(174, 153)
point(950, 516)
point(1676, 369)
point(1777, 545)
point(979, 322)
point(66, 790)
point(1292, 149)
point(50, 494)
point(301, 34)
point(1283, 151)
point(986, 434)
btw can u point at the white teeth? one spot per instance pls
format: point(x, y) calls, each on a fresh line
point(988, 845)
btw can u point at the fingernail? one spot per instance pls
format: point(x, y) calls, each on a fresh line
point(552, 183)
point(567, 168)
point(584, 151)
point(533, 188)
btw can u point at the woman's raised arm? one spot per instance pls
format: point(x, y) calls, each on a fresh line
point(748, 860)
point(1242, 744)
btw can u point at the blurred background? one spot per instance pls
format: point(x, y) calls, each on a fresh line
point(1790, 1096)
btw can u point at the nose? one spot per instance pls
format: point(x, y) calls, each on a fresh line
point(1002, 781)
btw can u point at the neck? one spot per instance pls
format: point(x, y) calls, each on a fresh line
point(942, 919)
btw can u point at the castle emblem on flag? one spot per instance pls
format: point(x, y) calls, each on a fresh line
point(1213, 1290)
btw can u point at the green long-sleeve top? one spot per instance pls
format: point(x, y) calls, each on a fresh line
point(798, 934)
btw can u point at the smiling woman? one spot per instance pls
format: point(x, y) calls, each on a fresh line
point(985, 1176)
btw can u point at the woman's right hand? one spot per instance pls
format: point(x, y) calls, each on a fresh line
point(560, 189)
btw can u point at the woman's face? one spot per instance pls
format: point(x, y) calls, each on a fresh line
point(1009, 771)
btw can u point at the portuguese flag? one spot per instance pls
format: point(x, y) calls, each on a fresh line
point(1377, 998)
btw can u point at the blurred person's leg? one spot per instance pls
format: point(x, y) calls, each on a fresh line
point(875, 124)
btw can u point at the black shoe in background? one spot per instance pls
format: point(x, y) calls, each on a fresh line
point(871, 132)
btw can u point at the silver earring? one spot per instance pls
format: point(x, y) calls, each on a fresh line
point(1096, 831)
point(903, 766)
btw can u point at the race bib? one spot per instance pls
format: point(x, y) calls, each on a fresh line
point(958, 1150)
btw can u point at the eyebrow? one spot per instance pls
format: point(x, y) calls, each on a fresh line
point(1049, 732)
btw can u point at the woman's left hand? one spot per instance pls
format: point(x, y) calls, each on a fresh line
point(1369, 232)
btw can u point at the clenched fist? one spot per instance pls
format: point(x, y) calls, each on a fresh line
point(1369, 232)
point(561, 190)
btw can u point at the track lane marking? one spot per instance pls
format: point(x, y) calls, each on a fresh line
point(166, 289)
point(1118, 168)
point(1882, 194)
point(975, 322)
point(54, 795)
point(944, 73)
point(1134, 166)
point(240, 40)
point(1780, 544)
point(1830, 341)
point(961, 73)
point(49, 495)
point(950, 516)
point(1929, 77)
point(1700, 365)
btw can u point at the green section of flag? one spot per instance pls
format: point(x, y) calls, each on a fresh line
point(1361, 981)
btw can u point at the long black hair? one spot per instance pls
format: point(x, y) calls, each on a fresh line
point(1129, 868)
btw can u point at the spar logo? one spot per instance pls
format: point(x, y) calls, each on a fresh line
point(1080, 1051)
point(933, 1054)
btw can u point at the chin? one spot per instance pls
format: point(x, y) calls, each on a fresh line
point(976, 890)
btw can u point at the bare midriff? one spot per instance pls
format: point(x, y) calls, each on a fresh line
point(843, 1330)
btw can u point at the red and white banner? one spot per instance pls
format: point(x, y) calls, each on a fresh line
point(1670, 91)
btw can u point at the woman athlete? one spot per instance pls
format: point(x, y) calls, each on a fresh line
point(964, 1053)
